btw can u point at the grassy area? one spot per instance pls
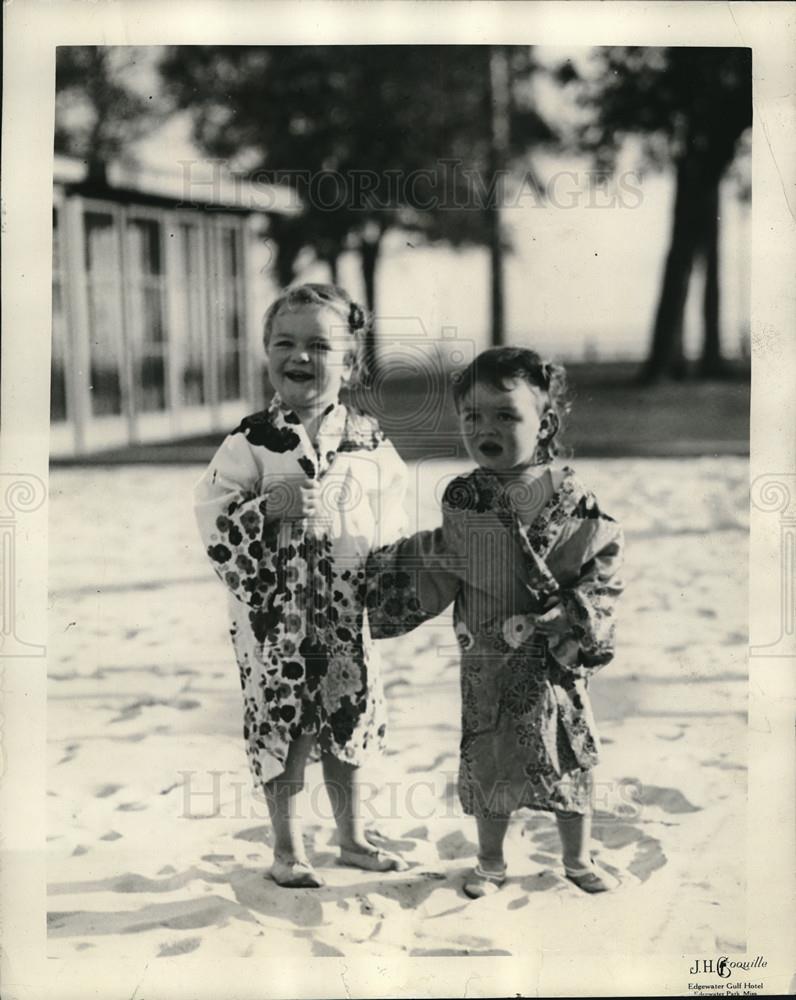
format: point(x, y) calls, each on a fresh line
point(612, 415)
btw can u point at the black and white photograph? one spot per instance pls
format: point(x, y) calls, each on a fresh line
point(410, 431)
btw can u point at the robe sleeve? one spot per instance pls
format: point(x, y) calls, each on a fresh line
point(388, 501)
point(588, 641)
point(231, 516)
point(413, 579)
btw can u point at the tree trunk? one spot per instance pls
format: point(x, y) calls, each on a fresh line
point(332, 261)
point(499, 98)
point(496, 286)
point(711, 363)
point(667, 358)
point(97, 173)
point(369, 255)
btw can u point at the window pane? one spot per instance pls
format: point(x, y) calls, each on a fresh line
point(58, 362)
point(103, 276)
point(147, 331)
point(105, 348)
point(144, 242)
point(150, 384)
point(231, 316)
point(58, 365)
point(230, 375)
point(102, 250)
point(229, 253)
point(190, 292)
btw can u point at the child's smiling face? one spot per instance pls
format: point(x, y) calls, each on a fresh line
point(500, 427)
point(309, 357)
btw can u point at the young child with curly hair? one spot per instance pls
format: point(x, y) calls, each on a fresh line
point(288, 509)
point(531, 562)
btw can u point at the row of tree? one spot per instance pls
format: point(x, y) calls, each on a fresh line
point(424, 138)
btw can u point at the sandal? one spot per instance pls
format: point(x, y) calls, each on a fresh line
point(481, 883)
point(372, 861)
point(295, 875)
point(590, 880)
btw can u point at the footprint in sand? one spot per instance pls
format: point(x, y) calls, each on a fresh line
point(458, 952)
point(455, 845)
point(70, 752)
point(417, 833)
point(671, 800)
point(111, 835)
point(130, 807)
point(105, 790)
point(133, 710)
point(179, 947)
point(256, 835)
point(648, 856)
point(322, 950)
point(540, 882)
point(723, 765)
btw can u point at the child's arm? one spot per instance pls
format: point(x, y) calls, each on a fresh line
point(388, 501)
point(235, 522)
point(580, 628)
point(412, 580)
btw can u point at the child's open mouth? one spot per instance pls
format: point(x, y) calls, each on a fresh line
point(299, 376)
point(491, 449)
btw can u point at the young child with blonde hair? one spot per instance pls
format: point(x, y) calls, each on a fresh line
point(288, 509)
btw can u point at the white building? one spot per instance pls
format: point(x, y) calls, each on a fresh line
point(157, 307)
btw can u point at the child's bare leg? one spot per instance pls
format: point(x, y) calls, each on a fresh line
point(490, 872)
point(344, 791)
point(491, 834)
point(575, 832)
point(281, 794)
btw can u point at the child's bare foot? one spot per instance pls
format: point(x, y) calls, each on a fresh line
point(295, 873)
point(482, 882)
point(357, 854)
point(362, 852)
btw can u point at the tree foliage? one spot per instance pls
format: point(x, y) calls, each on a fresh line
point(406, 130)
point(99, 111)
point(689, 107)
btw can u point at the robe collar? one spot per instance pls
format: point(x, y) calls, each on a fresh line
point(539, 538)
point(318, 455)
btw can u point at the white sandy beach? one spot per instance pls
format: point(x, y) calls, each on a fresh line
point(157, 847)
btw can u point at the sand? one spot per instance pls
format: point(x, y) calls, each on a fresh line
point(158, 848)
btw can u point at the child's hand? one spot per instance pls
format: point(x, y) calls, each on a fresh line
point(298, 499)
point(552, 622)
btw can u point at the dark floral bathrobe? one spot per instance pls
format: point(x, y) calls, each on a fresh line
point(296, 597)
point(528, 733)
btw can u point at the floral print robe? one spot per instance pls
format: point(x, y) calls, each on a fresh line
point(297, 597)
point(528, 733)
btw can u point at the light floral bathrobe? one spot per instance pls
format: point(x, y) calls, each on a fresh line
point(296, 598)
point(528, 733)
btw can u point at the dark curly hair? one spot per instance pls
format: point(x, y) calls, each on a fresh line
point(499, 365)
point(334, 297)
